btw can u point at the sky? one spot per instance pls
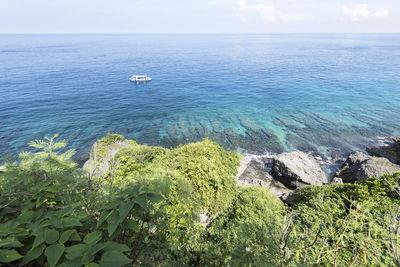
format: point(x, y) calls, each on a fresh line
point(199, 16)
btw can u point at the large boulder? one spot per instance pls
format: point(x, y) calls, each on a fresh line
point(359, 167)
point(297, 169)
point(391, 150)
point(102, 154)
point(253, 173)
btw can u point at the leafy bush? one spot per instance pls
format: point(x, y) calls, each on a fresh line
point(350, 223)
point(104, 142)
point(207, 166)
point(135, 160)
point(242, 235)
point(387, 186)
point(21, 179)
point(111, 138)
point(42, 226)
point(210, 169)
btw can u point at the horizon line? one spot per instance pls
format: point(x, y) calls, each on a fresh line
point(184, 33)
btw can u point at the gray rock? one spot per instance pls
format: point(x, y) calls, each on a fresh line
point(359, 167)
point(99, 162)
point(391, 150)
point(278, 188)
point(243, 164)
point(254, 173)
point(337, 180)
point(297, 169)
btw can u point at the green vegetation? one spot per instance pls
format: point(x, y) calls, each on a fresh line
point(349, 223)
point(110, 139)
point(145, 210)
point(241, 236)
point(51, 214)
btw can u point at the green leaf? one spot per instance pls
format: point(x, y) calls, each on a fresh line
point(19, 232)
point(64, 211)
point(70, 263)
point(70, 222)
point(10, 242)
point(87, 257)
point(51, 236)
point(52, 189)
point(97, 247)
point(130, 225)
point(32, 254)
point(114, 258)
point(26, 216)
point(5, 228)
point(112, 246)
point(103, 217)
point(92, 264)
point(39, 239)
point(124, 210)
point(154, 197)
point(68, 235)
point(113, 222)
point(54, 253)
point(92, 238)
point(40, 201)
point(141, 201)
point(74, 251)
point(7, 255)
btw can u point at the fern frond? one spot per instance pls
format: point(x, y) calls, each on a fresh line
point(68, 154)
point(38, 144)
point(60, 144)
point(24, 155)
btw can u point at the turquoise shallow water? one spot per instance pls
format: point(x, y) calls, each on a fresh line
point(324, 93)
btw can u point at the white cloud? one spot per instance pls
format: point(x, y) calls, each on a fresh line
point(266, 12)
point(382, 14)
point(361, 11)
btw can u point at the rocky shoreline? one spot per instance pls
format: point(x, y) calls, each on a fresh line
point(286, 173)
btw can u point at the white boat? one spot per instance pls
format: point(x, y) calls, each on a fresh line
point(139, 78)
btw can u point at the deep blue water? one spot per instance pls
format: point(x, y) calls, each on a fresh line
point(329, 93)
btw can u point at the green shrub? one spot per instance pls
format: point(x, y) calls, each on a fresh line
point(241, 236)
point(348, 223)
point(45, 219)
point(387, 186)
point(135, 160)
point(104, 142)
point(207, 166)
point(211, 171)
point(111, 138)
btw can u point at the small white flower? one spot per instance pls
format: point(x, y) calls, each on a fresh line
point(247, 249)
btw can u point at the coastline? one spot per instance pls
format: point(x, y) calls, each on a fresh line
point(283, 173)
point(284, 177)
point(329, 164)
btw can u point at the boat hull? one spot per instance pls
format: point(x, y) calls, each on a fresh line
point(140, 80)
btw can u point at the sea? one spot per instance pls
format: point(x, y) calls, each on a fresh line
point(326, 94)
